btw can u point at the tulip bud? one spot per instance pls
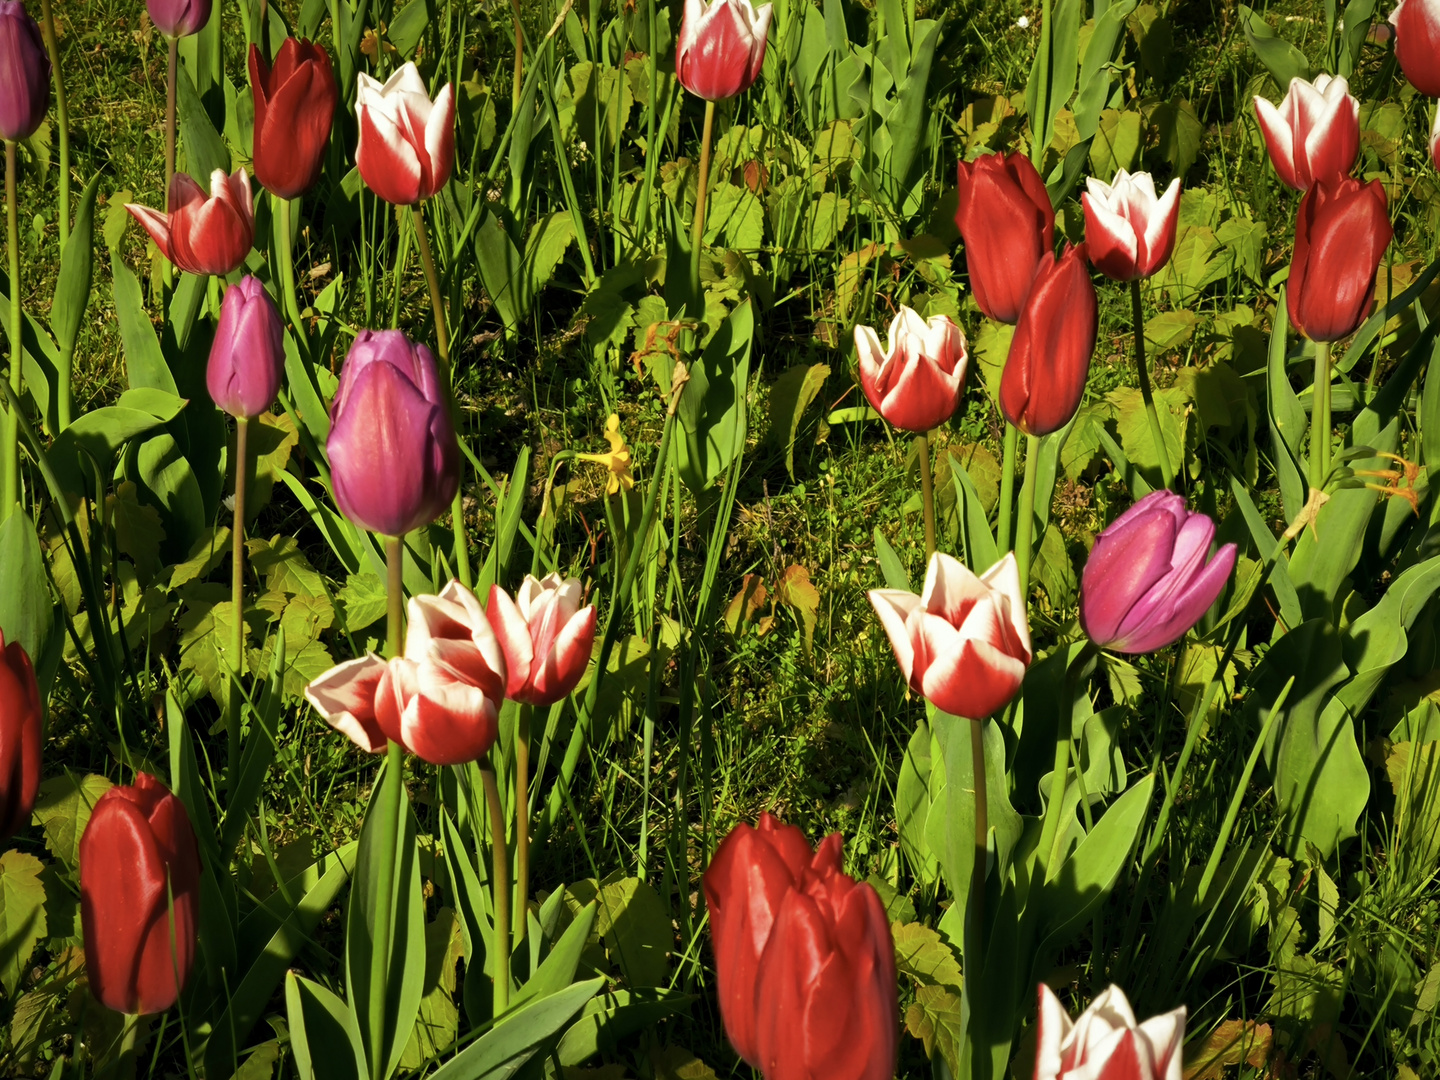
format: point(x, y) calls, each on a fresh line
point(407, 144)
point(721, 47)
point(1044, 377)
point(294, 105)
point(394, 459)
point(203, 235)
point(964, 642)
point(178, 18)
point(247, 357)
point(1341, 231)
point(138, 853)
point(546, 637)
point(1147, 580)
point(20, 724)
point(1106, 1043)
point(1417, 43)
point(1129, 233)
point(24, 73)
point(917, 382)
point(1315, 132)
point(1007, 223)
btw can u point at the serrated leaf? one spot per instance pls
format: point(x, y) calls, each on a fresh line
point(138, 532)
point(922, 954)
point(934, 1017)
point(745, 603)
point(991, 346)
point(363, 601)
point(1170, 329)
point(677, 1063)
point(205, 556)
point(796, 591)
point(62, 810)
point(549, 238)
point(22, 914)
point(285, 567)
point(1234, 1042)
point(789, 398)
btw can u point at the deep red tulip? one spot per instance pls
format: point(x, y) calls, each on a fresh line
point(137, 854)
point(1129, 232)
point(178, 18)
point(1417, 43)
point(1314, 134)
point(294, 104)
point(407, 144)
point(1341, 231)
point(20, 728)
point(1049, 359)
point(721, 47)
point(1007, 223)
point(247, 355)
point(203, 235)
point(917, 382)
point(1106, 1043)
point(24, 73)
point(546, 636)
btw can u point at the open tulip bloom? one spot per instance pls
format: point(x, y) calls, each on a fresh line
point(407, 142)
point(1106, 1043)
point(546, 637)
point(1314, 133)
point(1129, 232)
point(917, 381)
point(203, 235)
point(721, 47)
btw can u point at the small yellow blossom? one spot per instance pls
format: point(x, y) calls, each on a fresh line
point(617, 460)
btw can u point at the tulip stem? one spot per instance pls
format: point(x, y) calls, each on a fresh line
point(927, 492)
point(10, 468)
point(522, 820)
point(286, 255)
point(500, 875)
point(237, 586)
point(1142, 371)
point(1007, 487)
point(697, 227)
point(395, 594)
point(170, 118)
point(1320, 418)
point(62, 121)
point(519, 55)
point(1051, 835)
point(982, 831)
point(1025, 527)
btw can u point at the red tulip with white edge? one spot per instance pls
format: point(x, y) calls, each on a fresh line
point(1129, 230)
point(407, 142)
point(721, 47)
point(1417, 43)
point(1314, 133)
point(1106, 1043)
point(200, 234)
point(964, 642)
point(546, 637)
point(345, 697)
point(917, 381)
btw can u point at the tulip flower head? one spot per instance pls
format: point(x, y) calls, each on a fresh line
point(247, 356)
point(178, 18)
point(20, 733)
point(407, 143)
point(1435, 140)
point(294, 104)
point(1129, 232)
point(24, 73)
point(1106, 1043)
point(1341, 232)
point(1150, 577)
point(964, 642)
point(1314, 133)
point(1007, 223)
point(721, 47)
point(546, 637)
point(1417, 43)
point(916, 382)
point(203, 235)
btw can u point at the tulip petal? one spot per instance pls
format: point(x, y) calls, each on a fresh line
point(564, 661)
point(449, 721)
point(154, 223)
point(513, 634)
point(894, 607)
point(1052, 1029)
point(388, 164)
point(1181, 611)
point(974, 680)
point(440, 140)
point(1111, 241)
point(1125, 563)
point(345, 697)
point(1279, 140)
point(1003, 581)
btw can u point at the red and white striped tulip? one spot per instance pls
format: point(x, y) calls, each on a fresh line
point(203, 235)
point(407, 142)
point(1314, 133)
point(916, 383)
point(546, 637)
point(1129, 231)
point(721, 47)
point(1417, 43)
point(1106, 1043)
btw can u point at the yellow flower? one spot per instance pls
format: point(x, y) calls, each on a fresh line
point(617, 460)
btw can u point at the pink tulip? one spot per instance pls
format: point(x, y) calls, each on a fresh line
point(721, 47)
point(203, 235)
point(917, 382)
point(546, 637)
point(1314, 134)
point(407, 143)
point(964, 642)
point(1435, 140)
point(1129, 233)
point(24, 73)
point(1106, 1043)
point(1417, 43)
point(247, 355)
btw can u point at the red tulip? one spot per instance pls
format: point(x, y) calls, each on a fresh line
point(1106, 1043)
point(721, 47)
point(200, 235)
point(1341, 231)
point(138, 854)
point(546, 637)
point(1417, 43)
point(1007, 223)
point(407, 144)
point(294, 104)
point(20, 724)
point(964, 642)
point(1049, 359)
point(1315, 132)
point(917, 382)
point(1129, 232)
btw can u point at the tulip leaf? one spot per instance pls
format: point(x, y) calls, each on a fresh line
point(439, 1020)
point(72, 289)
point(27, 613)
point(22, 915)
point(323, 1037)
point(144, 362)
point(790, 396)
point(558, 969)
point(204, 149)
point(977, 541)
point(408, 27)
point(63, 810)
point(912, 806)
point(607, 1020)
point(1288, 422)
point(712, 410)
point(1283, 60)
point(1053, 73)
point(502, 1051)
point(1096, 70)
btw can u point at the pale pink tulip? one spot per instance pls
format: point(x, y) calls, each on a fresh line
point(546, 636)
point(1106, 1043)
point(1129, 231)
point(1314, 133)
point(917, 381)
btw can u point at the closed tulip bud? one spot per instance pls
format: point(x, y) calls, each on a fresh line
point(203, 235)
point(294, 105)
point(247, 356)
point(178, 18)
point(24, 73)
point(917, 382)
point(1007, 223)
point(964, 642)
point(546, 636)
point(1106, 1043)
point(1044, 377)
point(1341, 231)
point(721, 47)
point(1129, 232)
point(1417, 43)
point(138, 854)
point(1149, 577)
point(407, 144)
point(20, 724)
point(394, 459)
point(1314, 134)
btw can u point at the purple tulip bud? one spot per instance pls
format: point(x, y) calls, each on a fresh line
point(24, 73)
point(1146, 581)
point(394, 460)
point(178, 18)
point(247, 358)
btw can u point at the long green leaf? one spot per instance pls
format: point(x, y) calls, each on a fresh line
point(503, 1051)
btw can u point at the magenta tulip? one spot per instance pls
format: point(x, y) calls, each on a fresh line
point(1341, 232)
point(24, 73)
point(1129, 232)
point(546, 637)
point(1314, 134)
point(21, 721)
point(1007, 223)
point(247, 357)
point(407, 143)
point(1106, 1043)
point(721, 47)
point(1417, 43)
point(916, 383)
point(178, 18)
point(203, 235)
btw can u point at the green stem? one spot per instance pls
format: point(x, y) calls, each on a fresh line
point(237, 583)
point(927, 493)
point(1051, 835)
point(982, 830)
point(500, 882)
point(9, 447)
point(697, 227)
point(286, 255)
point(1320, 417)
point(62, 120)
point(1007, 487)
point(1142, 371)
point(519, 56)
point(1025, 527)
point(170, 76)
point(522, 820)
point(395, 594)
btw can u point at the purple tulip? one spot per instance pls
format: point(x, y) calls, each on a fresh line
point(1146, 581)
point(24, 73)
point(247, 358)
point(178, 18)
point(394, 460)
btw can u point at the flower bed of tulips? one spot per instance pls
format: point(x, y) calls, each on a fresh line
point(361, 718)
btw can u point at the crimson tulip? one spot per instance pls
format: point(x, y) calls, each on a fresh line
point(178, 18)
point(137, 855)
point(1106, 1043)
point(721, 47)
point(964, 642)
point(1314, 134)
point(1417, 43)
point(294, 105)
point(1129, 232)
point(20, 728)
point(1007, 223)
point(1044, 377)
point(203, 235)
point(546, 637)
point(24, 73)
point(916, 382)
point(407, 143)
point(1341, 231)
point(247, 355)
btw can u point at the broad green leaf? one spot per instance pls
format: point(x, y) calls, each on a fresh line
point(27, 613)
point(1117, 142)
point(439, 1020)
point(138, 532)
point(1096, 73)
point(790, 396)
point(363, 601)
point(501, 1052)
point(549, 239)
point(608, 1019)
point(204, 149)
point(63, 810)
point(144, 362)
point(978, 542)
point(1283, 60)
point(891, 566)
point(22, 915)
point(636, 929)
point(558, 969)
point(323, 1037)
point(1288, 422)
point(72, 288)
point(922, 954)
point(1053, 74)
point(205, 556)
point(912, 805)
point(712, 410)
point(937, 1018)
